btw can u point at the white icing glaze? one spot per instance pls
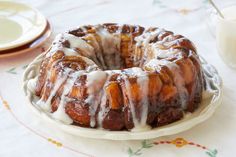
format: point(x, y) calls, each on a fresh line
point(70, 52)
point(172, 42)
point(60, 113)
point(153, 64)
point(76, 42)
point(142, 81)
point(143, 85)
point(109, 72)
point(144, 41)
point(41, 102)
point(46, 106)
point(163, 53)
point(208, 92)
point(98, 51)
point(78, 46)
point(95, 83)
point(111, 47)
point(146, 37)
point(103, 110)
point(135, 71)
point(110, 42)
point(94, 101)
point(180, 84)
point(32, 84)
point(55, 46)
point(131, 104)
point(178, 78)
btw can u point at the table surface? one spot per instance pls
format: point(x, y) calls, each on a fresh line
point(22, 134)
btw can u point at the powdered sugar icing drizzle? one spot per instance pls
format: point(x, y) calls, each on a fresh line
point(142, 81)
point(46, 105)
point(95, 82)
point(60, 112)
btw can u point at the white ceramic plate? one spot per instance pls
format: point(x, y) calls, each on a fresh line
point(19, 24)
point(29, 46)
point(205, 110)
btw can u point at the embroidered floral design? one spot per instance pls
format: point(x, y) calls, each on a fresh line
point(12, 70)
point(183, 11)
point(144, 144)
point(5, 103)
point(25, 66)
point(178, 142)
point(58, 144)
point(212, 153)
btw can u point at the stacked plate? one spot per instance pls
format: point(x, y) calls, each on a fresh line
point(22, 28)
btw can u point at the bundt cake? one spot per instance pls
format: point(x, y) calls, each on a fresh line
point(119, 77)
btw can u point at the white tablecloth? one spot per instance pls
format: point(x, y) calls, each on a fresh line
point(22, 134)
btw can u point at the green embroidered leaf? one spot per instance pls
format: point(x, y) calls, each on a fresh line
point(156, 2)
point(210, 154)
point(215, 151)
point(144, 142)
point(146, 145)
point(12, 71)
point(25, 66)
point(130, 152)
point(205, 1)
point(138, 153)
point(159, 3)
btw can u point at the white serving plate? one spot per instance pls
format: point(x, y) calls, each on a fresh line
point(19, 24)
point(205, 110)
point(27, 48)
